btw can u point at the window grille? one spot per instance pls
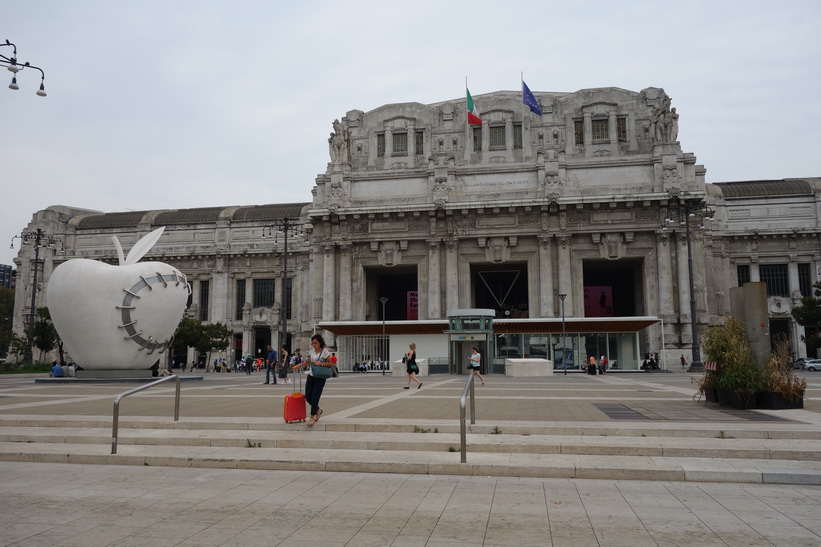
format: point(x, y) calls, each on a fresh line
point(805, 280)
point(497, 137)
point(400, 144)
point(288, 291)
point(601, 131)
point(776, 278)
point(517, 136)
point(743, 271)
point(420, 142)
point(203, 300)
point(240, 299)
point(578, 127)
point(380, 145)
point(477, 139)
point(263, 293)
point(621, 128)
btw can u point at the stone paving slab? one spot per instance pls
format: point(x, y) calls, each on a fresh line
point(59, 504)
point(590, 499)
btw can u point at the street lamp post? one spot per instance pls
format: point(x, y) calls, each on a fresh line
point(687, 210)
point(286, 227)
point(564, 336)
point(383, 300)
point(14, 66)
point(37, 237)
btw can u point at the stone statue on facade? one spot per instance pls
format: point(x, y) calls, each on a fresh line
point(664, 120)
point(339, 142)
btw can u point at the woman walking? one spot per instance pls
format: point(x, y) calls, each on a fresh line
point(319, 357)
point(475, 363)
point(411, 367)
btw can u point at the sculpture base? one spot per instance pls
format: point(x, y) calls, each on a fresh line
point(114, 373)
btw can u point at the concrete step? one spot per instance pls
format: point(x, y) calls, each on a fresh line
point(426, 462)
point(790, 453)
point(322, 437)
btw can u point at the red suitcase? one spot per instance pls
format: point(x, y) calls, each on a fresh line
point(295, 404)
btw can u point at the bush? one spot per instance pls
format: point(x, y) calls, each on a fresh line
point(14, 368)
point(737, 371)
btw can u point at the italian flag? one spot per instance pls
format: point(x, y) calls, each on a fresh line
point(473, 114)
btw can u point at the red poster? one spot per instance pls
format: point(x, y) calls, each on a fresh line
point(598, 301)
point(413, 305)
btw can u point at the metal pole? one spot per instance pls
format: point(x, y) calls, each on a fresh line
point(564, 336)
point(283, 324)
point(695, 364)
point(29, 357)
point(384, 300)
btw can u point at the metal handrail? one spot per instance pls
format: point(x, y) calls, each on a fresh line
point(462, 404)
point(118, 398)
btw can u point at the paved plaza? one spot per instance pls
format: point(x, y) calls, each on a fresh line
point(59, 504)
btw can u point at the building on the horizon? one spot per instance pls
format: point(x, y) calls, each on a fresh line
point(6, 275)
point(593, 199)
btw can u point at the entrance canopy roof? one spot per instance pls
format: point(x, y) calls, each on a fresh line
point(572, 325)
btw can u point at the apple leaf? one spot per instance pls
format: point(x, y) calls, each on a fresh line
point(119, 249)
point(141, 248)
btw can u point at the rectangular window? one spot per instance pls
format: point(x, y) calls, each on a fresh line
point(240, 299)
point(203, 300)
point(776, 278)
point(497, 137)
point(517, 136)
point(420, 142)
point(289, 284)
point(400, 144)
point(743, 274)
point(263, 293)
point(380, 145)
point(477, 139)
point(805, 280)
point(578, 130)
point(601, 131)
point(621, 128)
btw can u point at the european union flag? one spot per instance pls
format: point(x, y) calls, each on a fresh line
point(530, 100)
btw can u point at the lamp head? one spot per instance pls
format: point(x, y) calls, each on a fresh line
point(13, 85)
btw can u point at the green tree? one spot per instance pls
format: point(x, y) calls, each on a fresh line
point(808, 314)
point(6, 315)
point(204, 337)
point(45, 335)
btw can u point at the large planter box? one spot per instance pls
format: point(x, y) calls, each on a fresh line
point(731, 398)
point(711, 394)
point(774, 401)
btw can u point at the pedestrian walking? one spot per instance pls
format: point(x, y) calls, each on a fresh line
point(411, 367)
point(475, 363)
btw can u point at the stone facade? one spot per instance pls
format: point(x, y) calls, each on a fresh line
point(594, 197)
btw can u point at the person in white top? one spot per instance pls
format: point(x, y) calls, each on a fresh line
point(321, 357)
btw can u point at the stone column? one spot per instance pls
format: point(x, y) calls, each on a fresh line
point(613, 133)
point(434, 284)
point(664, 264)
point(509, 134)
point(546, 278)
point(792, 269)
point(345, 288)
point(329, 295)
point(683, 289)
point(388, 143)
point(588, 135)
point(565, 274)
point(452, 274)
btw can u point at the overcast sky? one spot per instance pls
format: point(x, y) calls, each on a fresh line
point(191, 103)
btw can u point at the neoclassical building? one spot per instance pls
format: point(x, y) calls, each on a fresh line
point(586, 229)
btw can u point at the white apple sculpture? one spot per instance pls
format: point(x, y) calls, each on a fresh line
point(117, 317)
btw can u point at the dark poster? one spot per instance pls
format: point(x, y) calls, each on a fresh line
point(598, 301)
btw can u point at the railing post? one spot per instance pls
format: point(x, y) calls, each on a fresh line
point(462, 404)
point(115, 422)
